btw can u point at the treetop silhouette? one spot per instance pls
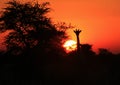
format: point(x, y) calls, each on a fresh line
point(30, 26)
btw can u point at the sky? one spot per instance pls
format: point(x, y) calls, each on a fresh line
point(99, 20)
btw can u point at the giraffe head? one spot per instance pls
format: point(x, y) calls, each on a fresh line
point(77, 31)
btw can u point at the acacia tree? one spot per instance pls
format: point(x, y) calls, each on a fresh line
point(30, 27)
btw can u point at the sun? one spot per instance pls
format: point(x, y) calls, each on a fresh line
point(70, 45)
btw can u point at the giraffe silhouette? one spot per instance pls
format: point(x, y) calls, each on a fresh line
point(77, 32)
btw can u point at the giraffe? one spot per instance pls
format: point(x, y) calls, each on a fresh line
point(77, 32)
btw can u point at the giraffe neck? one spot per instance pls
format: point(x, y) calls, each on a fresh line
point(78, 43)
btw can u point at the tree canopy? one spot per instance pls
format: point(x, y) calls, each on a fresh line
point(30, 27)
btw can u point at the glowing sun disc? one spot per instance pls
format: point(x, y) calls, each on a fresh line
point(70, 45)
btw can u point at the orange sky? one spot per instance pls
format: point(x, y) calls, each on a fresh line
point(98, 19)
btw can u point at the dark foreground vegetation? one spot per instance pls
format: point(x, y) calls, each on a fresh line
point(85, 68)
point(35, 55)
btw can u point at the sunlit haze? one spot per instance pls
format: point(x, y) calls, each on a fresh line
point(70, 45)
point(99, 20)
